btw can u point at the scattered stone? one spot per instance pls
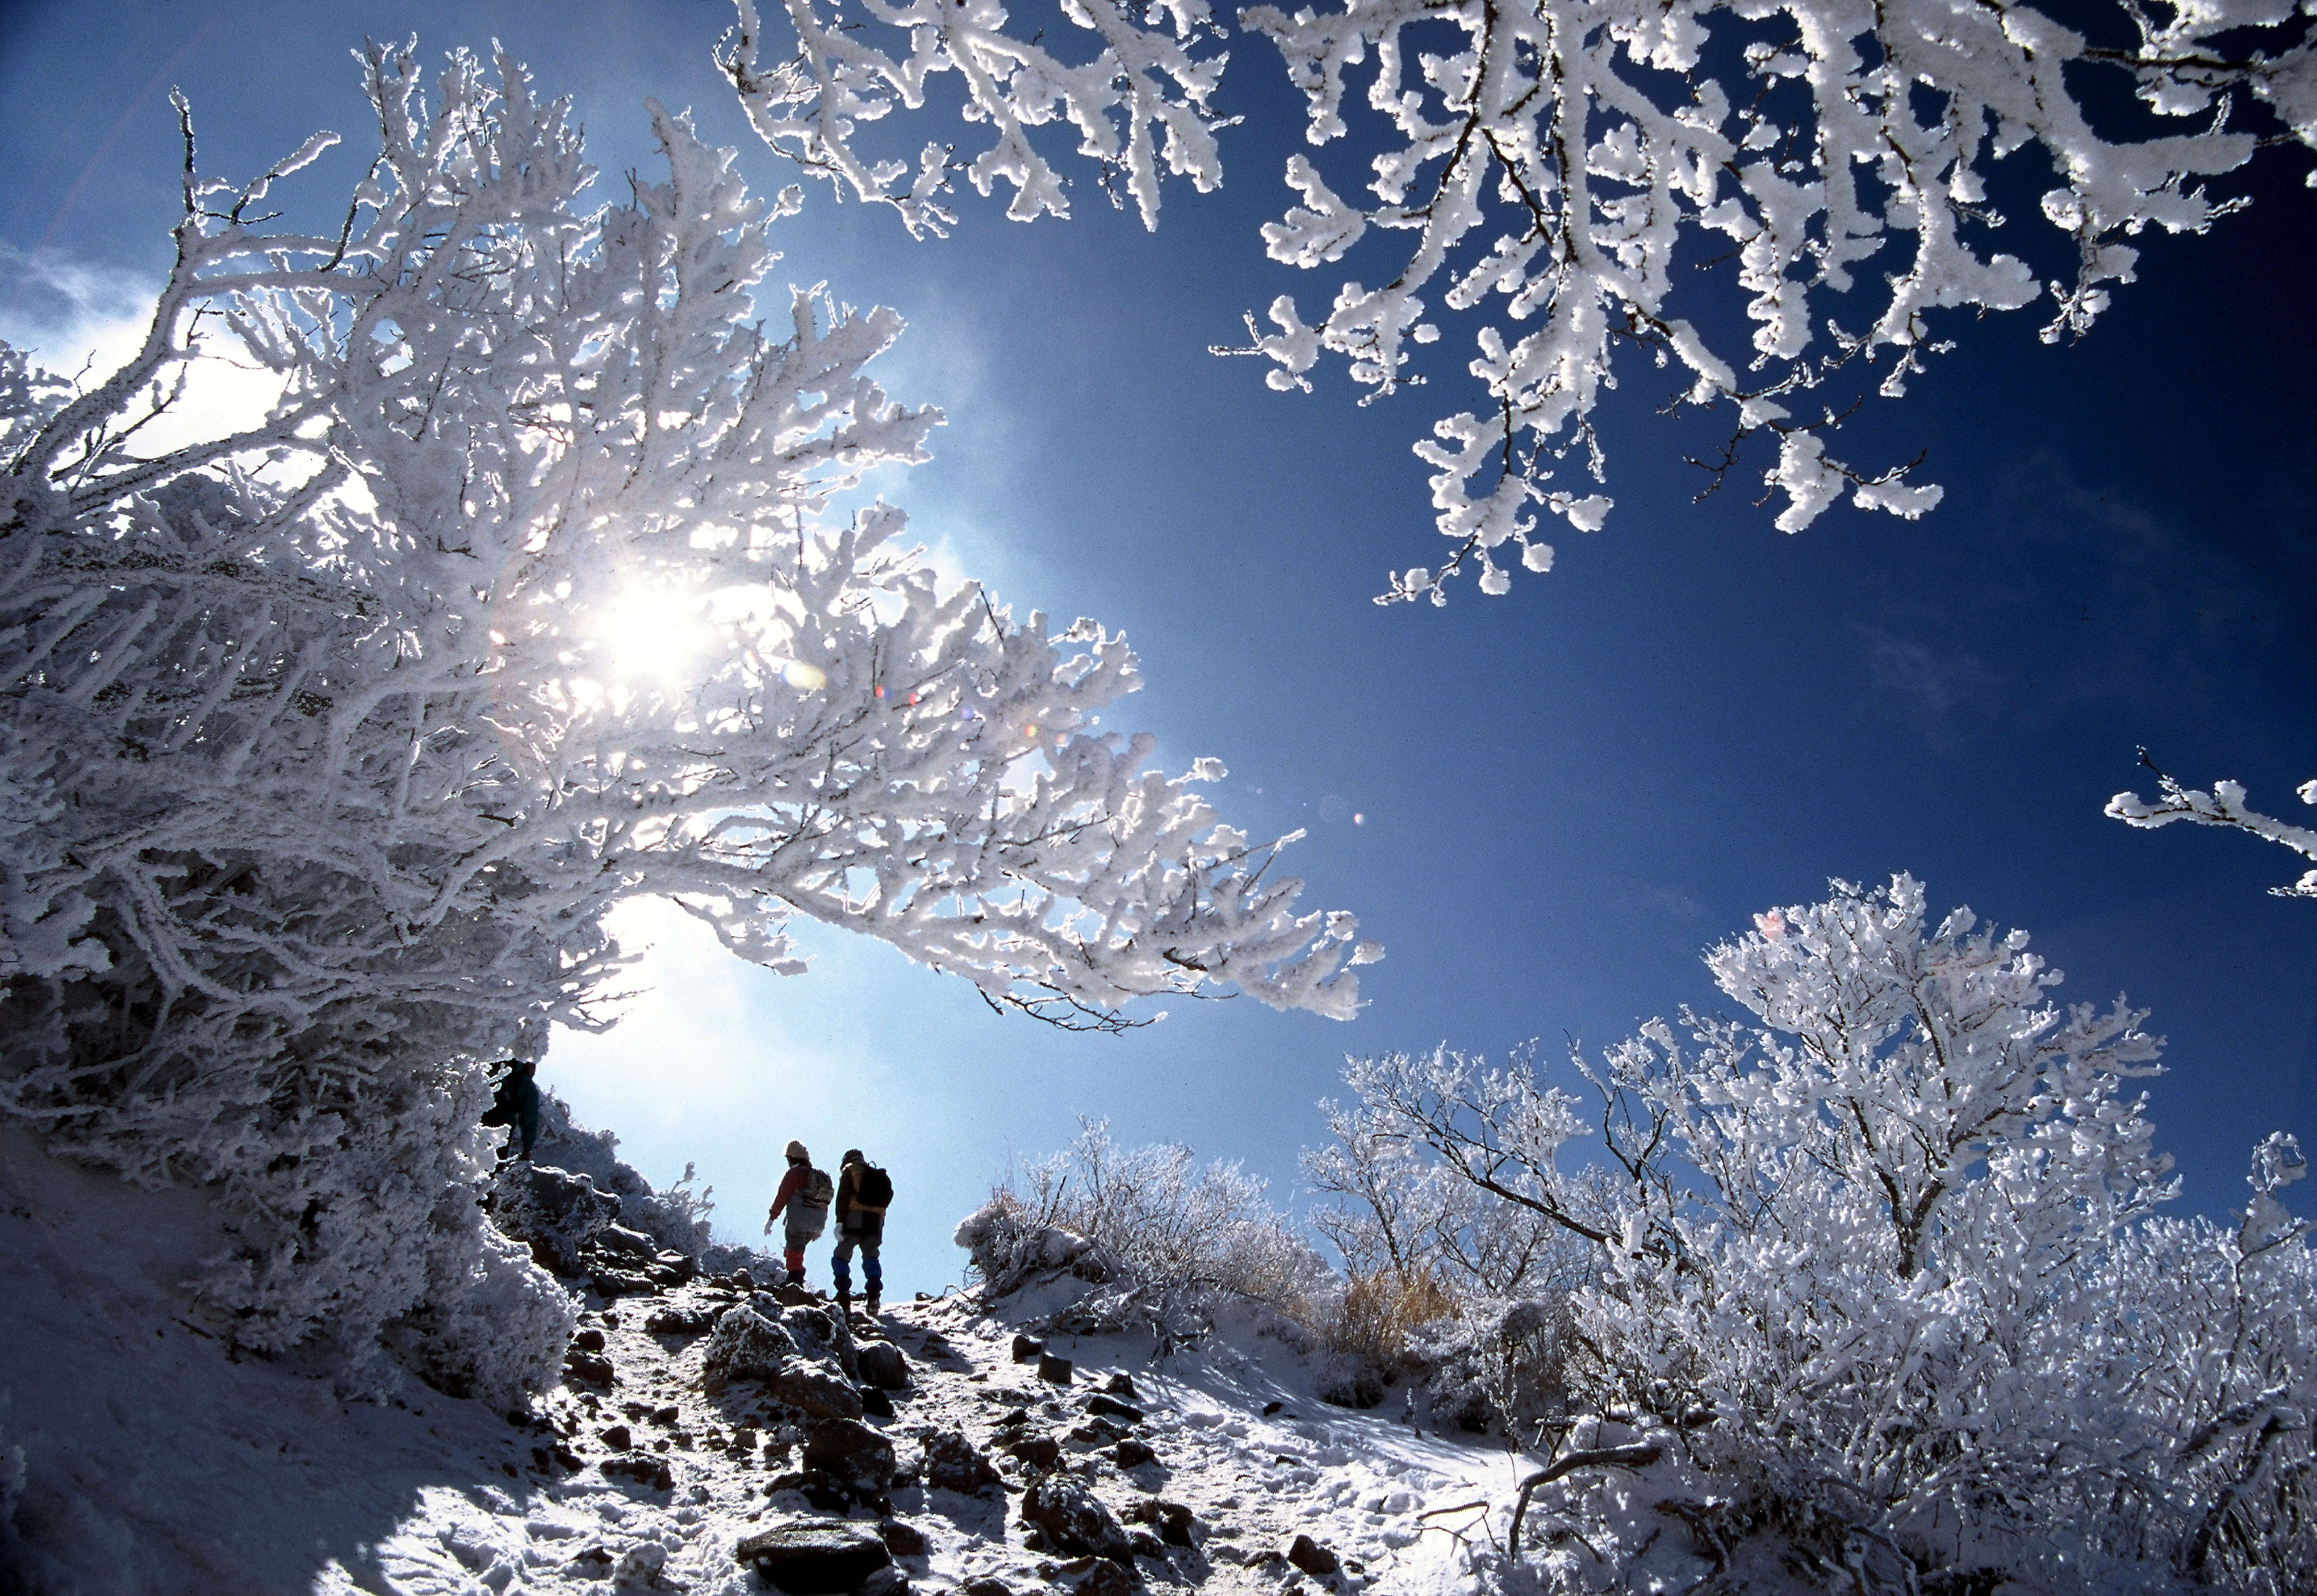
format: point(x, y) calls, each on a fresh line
point(1074, 1519)
point(875, 1404)
point(1050, 1367)
point(904, 1540)
point(953, 1463)
point(585, 1366)
point(1132, 1453)
point(1044, 1450)
point(1110, 1407)
point(1105, 1579)
point(672, 1321)
point(740, 1279)
point(640, 1566)
point(888, 1581)
point(1096, 1433)
point(985, 1587)
point(1146, 1544)
point(852, 1455)
point(1270, 1408)
point(1313, 1558)
point(588, 1341)
point(645, 1471)
point(1172, 1521)
point(1026, 1349)
point(883, 1366)
point(815, 1557)
point(1121, 1383)
point(664, 1416)
point(618, 1438)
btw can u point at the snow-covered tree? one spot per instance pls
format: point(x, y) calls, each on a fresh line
point(1562, 168)
point(1884, 1254)
point(2223, 805)
point(322, 765)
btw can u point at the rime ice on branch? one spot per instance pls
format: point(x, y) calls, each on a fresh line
point(1561, 165)
point(319, 774)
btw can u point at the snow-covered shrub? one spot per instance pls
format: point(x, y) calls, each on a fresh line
point(1495, 1364)
point(1170, 1239)
point(1883, 1255)
point(320, 765)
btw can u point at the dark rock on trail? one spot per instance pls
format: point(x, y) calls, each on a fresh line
point(875, 1404)
point(674, 1321)
point(1110, 1407)
point(883, 1366)
point(1050, 1367)
point(852, 1454)
point(953, 1463)
point(1026, 1349)
point(588, 1341)
point(815, 1557)
point(1121, 1383)
point(618, 1438)
point(904, 1540)
point(1311, 1558)
point(1132, 1453)
point(746, 1346)
point(643, 1470)
point(1074, 1520)
point(587, 1366)
point(1094, 1576)
point(1172, 1521)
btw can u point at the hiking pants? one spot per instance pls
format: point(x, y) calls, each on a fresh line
point(794, 1246)
point(867, 1232)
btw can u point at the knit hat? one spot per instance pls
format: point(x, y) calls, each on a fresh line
point(797, 1155)
point(852, 1155)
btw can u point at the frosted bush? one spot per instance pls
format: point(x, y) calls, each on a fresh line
point(1170, 1240)
point(1884, 1256)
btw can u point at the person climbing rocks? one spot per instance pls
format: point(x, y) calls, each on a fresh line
point(863, 1193)
point(516, 1103)
point(804, 1195)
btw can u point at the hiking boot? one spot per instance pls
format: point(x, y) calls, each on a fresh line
point(844, 1300)
point(869, 1305)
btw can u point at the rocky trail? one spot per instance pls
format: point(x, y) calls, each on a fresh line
point(711, 1436)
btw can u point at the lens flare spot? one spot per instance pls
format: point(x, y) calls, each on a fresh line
point(803, 677)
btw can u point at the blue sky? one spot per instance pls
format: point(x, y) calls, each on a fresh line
point(1565, 793)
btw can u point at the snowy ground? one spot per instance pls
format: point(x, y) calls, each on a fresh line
point(155, 1463)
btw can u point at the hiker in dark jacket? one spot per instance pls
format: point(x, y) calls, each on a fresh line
point(861, 1193)
point(803, 1195)
point(516, 1103)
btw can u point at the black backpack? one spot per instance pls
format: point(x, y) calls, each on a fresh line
point(874, 1188)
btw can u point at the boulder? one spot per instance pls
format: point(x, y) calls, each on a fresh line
point(953, 1463)
point(1050, 1367)
point(851, 1454)
point(815, 1557)
point(675, 1321)
point(874, 1403)
point(618, 1238)
point(1073, 1518)
point(640, 1468)
point(552, 1212)
point(1311, 1558)
point(1132, 1453)
point(904, 1540)
point(746, 1346)
point(1109, 1408)
point(883, 1366)
point(1121, 1383)
point(1172, 1519)
point(816, 1390)
point(1026, 1348)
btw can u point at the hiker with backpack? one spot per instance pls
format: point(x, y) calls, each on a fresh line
point(863, 1193)
point(805, 1193)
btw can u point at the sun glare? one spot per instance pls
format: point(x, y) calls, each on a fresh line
point(650, 635)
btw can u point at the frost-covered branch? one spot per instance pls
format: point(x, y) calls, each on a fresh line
point(1562, 167)
point(322, 754)
point(2223, 805)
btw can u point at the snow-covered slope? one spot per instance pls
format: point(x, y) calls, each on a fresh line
point(153, 1462)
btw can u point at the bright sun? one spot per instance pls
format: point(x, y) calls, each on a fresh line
point(650, 635)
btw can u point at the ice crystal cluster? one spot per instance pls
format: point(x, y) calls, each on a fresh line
point(319, 767)
point(1561, 170)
